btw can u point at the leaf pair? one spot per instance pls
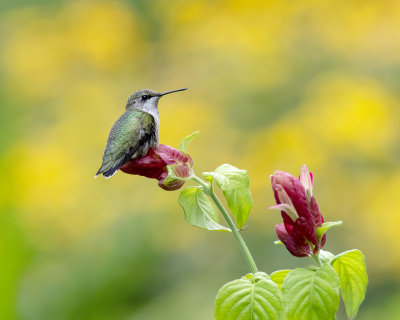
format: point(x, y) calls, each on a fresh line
point(300, 294)
point(314, 294)
point(306, 295)
point(234, 183)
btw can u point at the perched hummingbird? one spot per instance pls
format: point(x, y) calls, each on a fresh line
point(135, 131)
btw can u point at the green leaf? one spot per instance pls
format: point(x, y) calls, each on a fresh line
point(278, 277)
point(350, 266)
point(251, 297)
point(235, 185)
point(198, 209)
point(326, 226)
point(186, 140)
point(311, 294)
point(326, 256)
point(209, 176)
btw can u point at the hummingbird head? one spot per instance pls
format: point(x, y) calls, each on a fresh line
point(146, 99)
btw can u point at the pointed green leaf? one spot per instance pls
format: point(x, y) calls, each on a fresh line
point(235, 185)
point(209, 176)
point(311, 294)
point(251, 297)
point(186, 140)
point(198, 209)
point(326, 226)
point(326, 256)
point(278, 277)
point(350, 266)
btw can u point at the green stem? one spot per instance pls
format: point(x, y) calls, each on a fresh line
point(245, 250)
point(317, 259)
point(206, 187)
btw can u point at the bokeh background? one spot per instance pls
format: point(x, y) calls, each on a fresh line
point(273, 85)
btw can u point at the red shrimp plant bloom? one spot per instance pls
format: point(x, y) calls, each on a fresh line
point(300, 213)
point(166, 164)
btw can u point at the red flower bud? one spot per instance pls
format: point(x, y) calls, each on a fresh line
point(300, 213)
point(166, 164)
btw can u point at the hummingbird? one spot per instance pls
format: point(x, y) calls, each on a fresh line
point(135, 131)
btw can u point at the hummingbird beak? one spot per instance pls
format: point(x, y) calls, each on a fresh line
point(164, 93)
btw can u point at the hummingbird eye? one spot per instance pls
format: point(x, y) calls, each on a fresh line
point(145, 97)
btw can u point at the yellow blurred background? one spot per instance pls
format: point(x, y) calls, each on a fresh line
point(272, 85)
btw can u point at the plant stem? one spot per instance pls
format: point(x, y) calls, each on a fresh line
point(201, 182)
point(237, 235)
point(317, 259)
point(239, 239)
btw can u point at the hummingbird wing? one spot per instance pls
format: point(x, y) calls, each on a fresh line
point(130, 136)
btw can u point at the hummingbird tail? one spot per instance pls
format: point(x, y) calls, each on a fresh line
point(108, 173)
point(109, 169)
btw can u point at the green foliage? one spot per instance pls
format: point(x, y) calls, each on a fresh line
point(199, 211)
point(183, 145)
point(57, 56)
point(254, 296)
point(311, 294)
point(350, 266)
point(326, 226)
point(326, 256)
point(279, 276)
point(235, 185)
